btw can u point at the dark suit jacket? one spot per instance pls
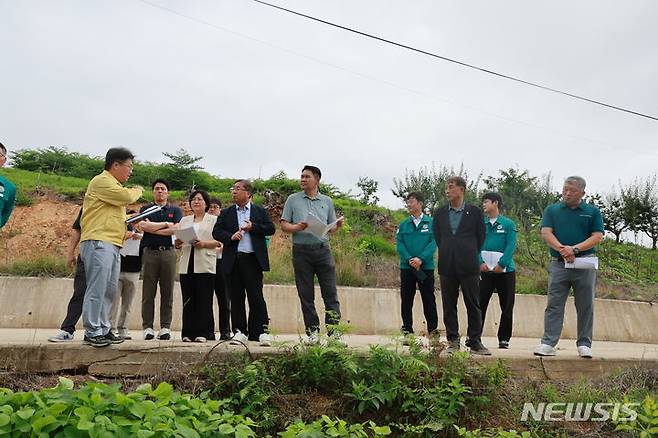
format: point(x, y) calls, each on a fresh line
point(459, 254)
point(227, 225)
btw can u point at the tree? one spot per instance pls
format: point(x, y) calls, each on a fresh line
point(641, 208)
point(431, 183)
point(612, 211)
point(182, 170)
point(368, 187)
point(524, 197)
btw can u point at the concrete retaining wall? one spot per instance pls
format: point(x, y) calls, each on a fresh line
point(42, 302)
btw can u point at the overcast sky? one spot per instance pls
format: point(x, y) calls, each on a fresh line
point(255, 90)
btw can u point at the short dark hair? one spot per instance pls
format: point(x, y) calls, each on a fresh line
point(117, 155)
point(493, 197)
point(417, 196)
point(203, 194)
point(248, 187)
point(314, 170)
point(216, 201)
point(4, 149)
point(161, 181)
point(457, 180)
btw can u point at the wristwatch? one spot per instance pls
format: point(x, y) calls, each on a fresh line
point(576, 250)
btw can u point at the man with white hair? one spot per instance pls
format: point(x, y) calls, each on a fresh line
point(572, 229)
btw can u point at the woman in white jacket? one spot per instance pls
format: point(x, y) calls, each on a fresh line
point(197, 271)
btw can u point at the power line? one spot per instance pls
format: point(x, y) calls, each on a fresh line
point(398, 86)
point(463, 64)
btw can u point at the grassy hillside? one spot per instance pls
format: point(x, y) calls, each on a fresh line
point(364, 248)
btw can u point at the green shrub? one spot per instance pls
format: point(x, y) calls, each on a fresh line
point(42, 266)
point(98, 409)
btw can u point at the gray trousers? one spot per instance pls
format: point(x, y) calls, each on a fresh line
point(123, 299)
point(102, 263)
point(309, 261)
point(159, 267)
point(560, 280)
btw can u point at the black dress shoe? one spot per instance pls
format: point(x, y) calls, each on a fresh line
point(478, 348)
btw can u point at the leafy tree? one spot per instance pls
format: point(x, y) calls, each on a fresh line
point(641, 207)
point(524, 197)
point(182, 171)
point(368, 187)
point(431, 183)
point(612, 211)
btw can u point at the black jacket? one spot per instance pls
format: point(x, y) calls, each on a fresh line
point(459, 253)
point(227, 225)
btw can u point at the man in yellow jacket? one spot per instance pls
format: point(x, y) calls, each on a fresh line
point(103, 230)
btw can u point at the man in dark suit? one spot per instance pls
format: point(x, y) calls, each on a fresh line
point(459, 233)
point(242, 229)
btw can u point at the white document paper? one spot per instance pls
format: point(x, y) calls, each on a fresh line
point(318, 228)
point(130, 247)
point(491, 258)
point(145, 213)
point(583, 263)
point(187, 234)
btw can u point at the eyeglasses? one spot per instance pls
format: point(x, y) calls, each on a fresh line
point(3, 155)
point(237, 189)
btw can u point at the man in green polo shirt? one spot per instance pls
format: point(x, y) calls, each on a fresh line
point(572, 229)
point(497, 265)
point(7, 191)
point(416, 247)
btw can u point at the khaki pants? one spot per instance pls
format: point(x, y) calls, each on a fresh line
point(158, 267)
point(125, 294)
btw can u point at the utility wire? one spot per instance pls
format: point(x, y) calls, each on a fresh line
point(464, 64)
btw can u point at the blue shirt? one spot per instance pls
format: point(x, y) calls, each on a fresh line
point(455, 217)
point(244, 245)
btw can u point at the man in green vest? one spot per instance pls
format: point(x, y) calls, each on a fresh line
point(7, 191)
point(416, 247)
point(572, 229)
point(497, 265)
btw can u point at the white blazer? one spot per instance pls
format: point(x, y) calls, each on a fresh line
point(205, 259)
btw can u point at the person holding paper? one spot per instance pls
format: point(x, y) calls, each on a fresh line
point(311, 254)
point(459, 233)
point(221, 290)
point(159, 260)
point(103, 226)
point(131, 265)
point(7, 191)
point(242, 229)
point(416, 247)
point(197, 271)
point(572, 229)
point(497, 271)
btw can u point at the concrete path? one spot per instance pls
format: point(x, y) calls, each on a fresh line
point(29, 350)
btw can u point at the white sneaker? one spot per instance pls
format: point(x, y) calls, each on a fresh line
point(239, 338)
point(186, 339)
point(125, 334)
point(164, 334)
point(338, 338)
point(61, 336)
point(312, 339)
point(585, 351)
point(200, 339)
point(265, 340)
point(545, 350)
point(148, 334)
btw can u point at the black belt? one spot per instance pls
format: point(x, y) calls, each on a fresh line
point(311, 245)
point(245, 254)
point(159, 248)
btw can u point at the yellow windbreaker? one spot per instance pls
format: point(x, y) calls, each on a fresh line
point(104, 209)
